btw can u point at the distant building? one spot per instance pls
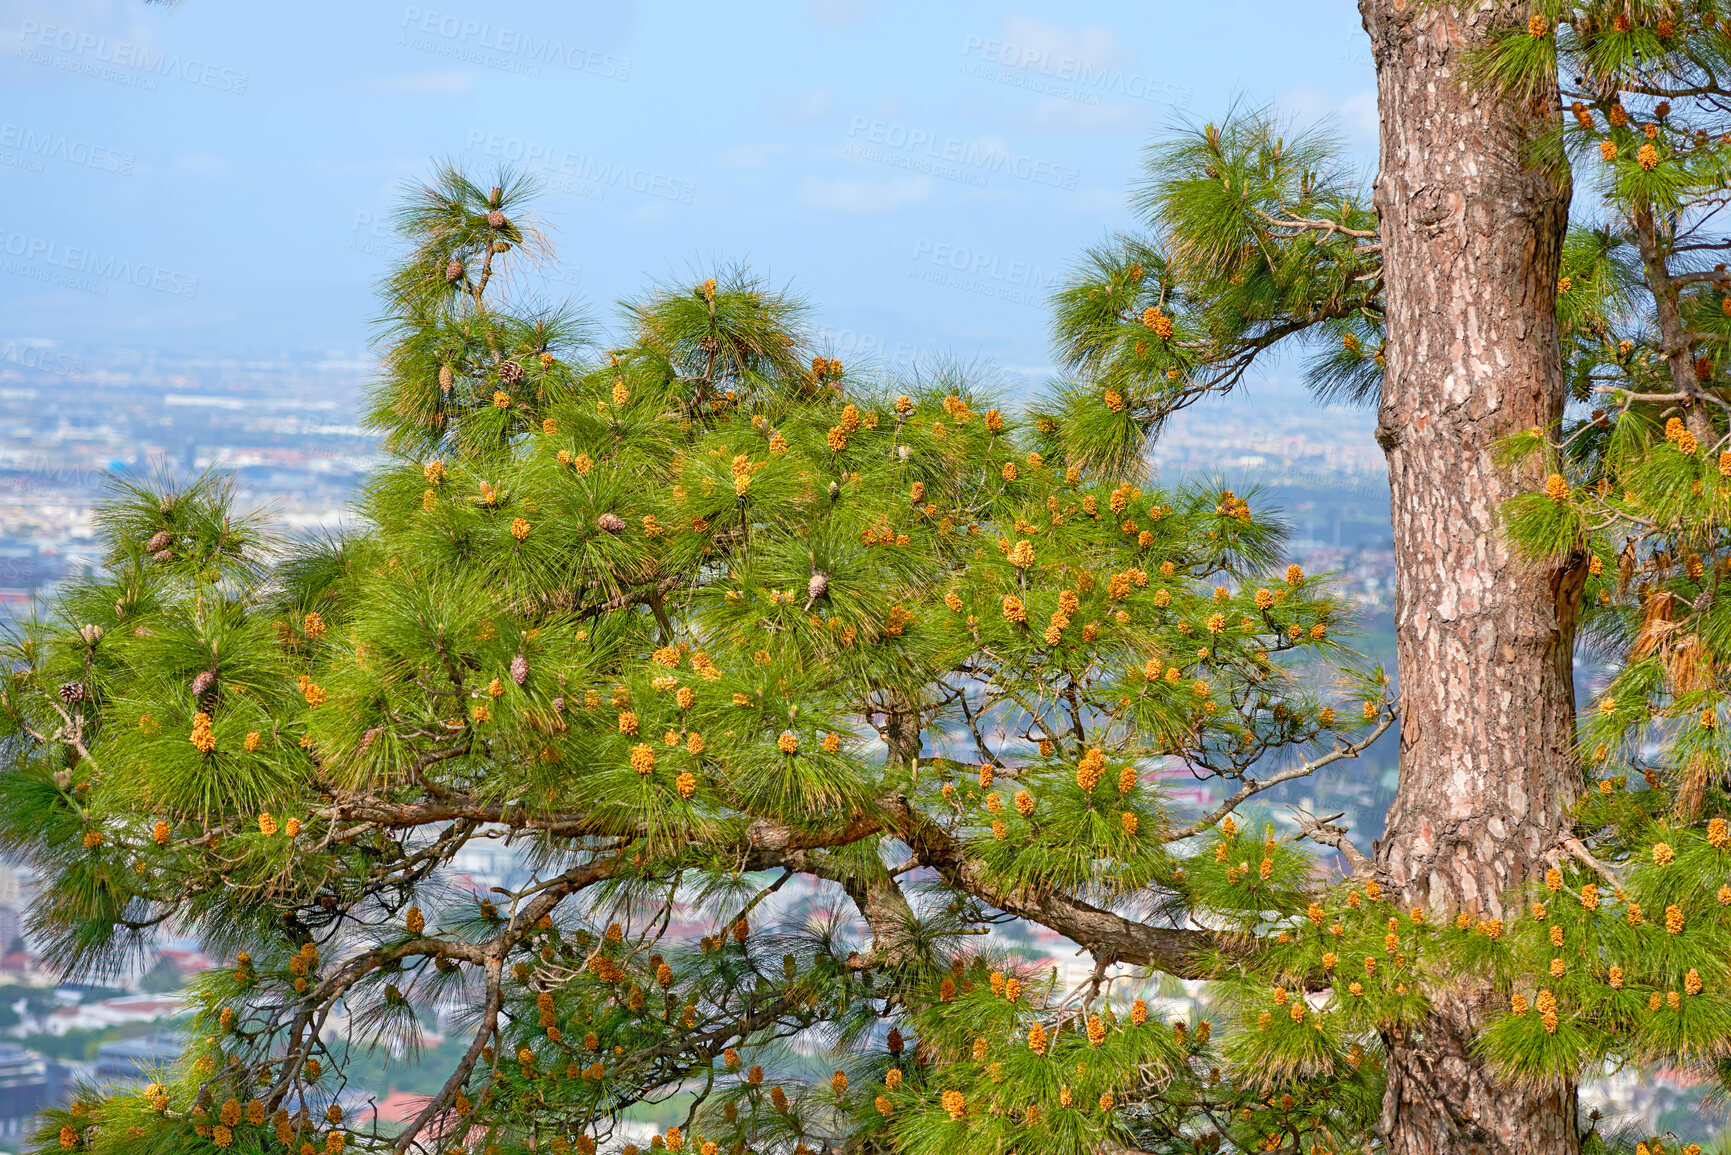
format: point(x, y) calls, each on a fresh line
point(398, 1107)
point(487, 862)
point(15, 893)
point(187, 962)
point(114, 1013)
point(24, 968)
point(132, 1060)
point(24, 1089)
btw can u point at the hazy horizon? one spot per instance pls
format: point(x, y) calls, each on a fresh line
point(210, 176)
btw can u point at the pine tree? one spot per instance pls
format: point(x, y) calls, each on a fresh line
point(689, 615)
point(700, 610)
point(1440, 306)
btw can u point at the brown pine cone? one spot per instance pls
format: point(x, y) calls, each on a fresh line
point(611, 522)
point(510, 373)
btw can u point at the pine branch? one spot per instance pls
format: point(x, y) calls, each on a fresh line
point(1180, 952)
point(1253, 787)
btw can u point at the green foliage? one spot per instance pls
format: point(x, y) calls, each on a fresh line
point(1255, 240)
point(689, 616)
point(695, 610)
point(1620, 953)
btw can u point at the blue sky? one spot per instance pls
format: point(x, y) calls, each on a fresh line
point(215, 176)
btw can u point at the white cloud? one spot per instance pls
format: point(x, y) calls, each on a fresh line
point(425, 83)
point(1354, 116)
point(816, 104)
point(858, 196)
point(1045, 47)
point(753, 156)
point(1094, 202)
point(842, 13)
point(1056, 115)
point(33, 31)
point(1359, 116)
point(202, 164)
point(890, 108)
point(1307, 105)
point(1076, 74)
point(78, 14)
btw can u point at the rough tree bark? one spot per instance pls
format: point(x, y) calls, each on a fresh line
point(1472, 232)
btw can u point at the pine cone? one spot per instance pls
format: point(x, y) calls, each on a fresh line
point(159, 541)
point(454, 272)
point(559, 705)
point(445, 376)
point(370, 737)
point(611, 522)
point(510, 373)
point(203, 684)
point(495, 219)
point(72, 693)
point(519, 669)
point(815, 588)
point(162, 556)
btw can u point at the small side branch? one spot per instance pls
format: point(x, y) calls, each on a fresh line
point(1253, 787)
point(1324, 831)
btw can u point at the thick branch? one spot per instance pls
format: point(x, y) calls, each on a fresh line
point(1176, 951)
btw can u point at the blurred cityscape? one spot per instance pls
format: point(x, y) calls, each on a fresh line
point(285, 426)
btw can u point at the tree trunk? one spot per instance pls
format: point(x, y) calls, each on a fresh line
point(1472, 231)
